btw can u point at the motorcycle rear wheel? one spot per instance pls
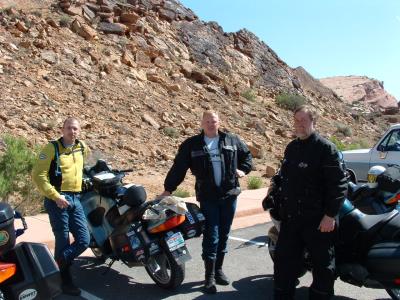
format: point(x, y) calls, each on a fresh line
point(165, 271)
point(394, 293)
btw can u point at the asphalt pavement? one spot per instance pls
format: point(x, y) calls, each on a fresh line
point(247, 264)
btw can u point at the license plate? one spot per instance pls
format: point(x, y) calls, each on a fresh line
point(175, 241)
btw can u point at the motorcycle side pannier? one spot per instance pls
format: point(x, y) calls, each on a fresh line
point(133, 244)
point(384, 259)
point(193, 226)
point(37, 273)
point(7, 230)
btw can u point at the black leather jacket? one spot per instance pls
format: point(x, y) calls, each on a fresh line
point(313, 181)
point(193, 154)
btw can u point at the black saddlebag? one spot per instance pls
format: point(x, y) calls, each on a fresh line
point(133, 244)
point(384, 259)
point(194, 222)
point(37, 276)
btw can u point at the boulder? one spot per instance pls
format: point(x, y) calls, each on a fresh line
point(113, 28)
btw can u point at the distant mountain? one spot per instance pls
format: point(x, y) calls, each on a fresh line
point(362, 89)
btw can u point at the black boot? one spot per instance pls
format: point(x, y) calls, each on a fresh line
point(209, 284)
point(67, 285)
point(220, 277)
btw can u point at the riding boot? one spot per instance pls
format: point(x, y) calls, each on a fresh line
point(209, 284)
point(220, 277)
point(67, 285)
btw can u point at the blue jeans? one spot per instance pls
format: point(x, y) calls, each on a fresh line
point(71, 219)
point(218, 220)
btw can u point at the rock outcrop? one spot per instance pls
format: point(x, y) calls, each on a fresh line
point(139, 73)
point(362, 89)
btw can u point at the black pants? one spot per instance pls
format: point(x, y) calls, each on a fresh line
point(294, 237)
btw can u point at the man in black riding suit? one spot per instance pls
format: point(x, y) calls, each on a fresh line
point(217, 160)
point(313, 187)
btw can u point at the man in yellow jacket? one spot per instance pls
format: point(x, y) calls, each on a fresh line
point(58, 176)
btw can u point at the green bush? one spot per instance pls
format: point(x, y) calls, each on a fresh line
point(254, 183)
point(250, 95)
point(360, 144)
point(339, 144)
point(171, 132)
point(65, 21)
point(290, 101)
point(16, 164)
point(181, 193)
point(343, 129)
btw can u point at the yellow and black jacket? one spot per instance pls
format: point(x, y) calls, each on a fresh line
point(52, 174)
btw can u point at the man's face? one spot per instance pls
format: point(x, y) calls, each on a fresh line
point(70, 131)
point(303, 125)
point(210, 125)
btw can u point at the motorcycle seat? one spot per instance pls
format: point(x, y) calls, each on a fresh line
point(361, 230)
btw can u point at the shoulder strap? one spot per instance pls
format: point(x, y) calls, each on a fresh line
point(56, 158)
point(82, 150)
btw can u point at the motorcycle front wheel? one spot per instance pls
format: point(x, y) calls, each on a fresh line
point(394, 293)
point(165, 271)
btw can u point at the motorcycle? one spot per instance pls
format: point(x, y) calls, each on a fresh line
point(125, 227)
point(27, 270)
point(367, 251)
point(382, 192)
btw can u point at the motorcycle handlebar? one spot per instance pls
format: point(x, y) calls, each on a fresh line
point(123, 171)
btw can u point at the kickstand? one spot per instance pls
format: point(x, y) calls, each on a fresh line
point(109, 267)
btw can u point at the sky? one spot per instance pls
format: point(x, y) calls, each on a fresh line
point(327, 38)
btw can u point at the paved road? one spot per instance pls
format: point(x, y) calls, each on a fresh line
point(248, 265)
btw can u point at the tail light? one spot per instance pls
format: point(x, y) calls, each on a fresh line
point(7, 270)
point(397, 281)
point(394, 199)
point(170, 223)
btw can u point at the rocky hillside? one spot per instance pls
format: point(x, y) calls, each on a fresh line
point(139, 73)
point(362, 89)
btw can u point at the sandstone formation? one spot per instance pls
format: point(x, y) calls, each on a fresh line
point(362, 89)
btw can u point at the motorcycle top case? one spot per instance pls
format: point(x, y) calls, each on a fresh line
point(7, 230)
point(106, 183)
point(193, 226)
point(37, 277)
point(132, 243)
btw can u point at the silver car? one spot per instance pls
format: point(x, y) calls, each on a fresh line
point(385, 152)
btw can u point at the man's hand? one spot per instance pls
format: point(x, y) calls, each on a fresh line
point(163, 194)
point(62, 202)
point(327, 224)
point(240, 173)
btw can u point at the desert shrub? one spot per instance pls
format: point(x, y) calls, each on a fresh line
point(171, 132)
point(181, 193)
point(254, 182)
point(37, 13)
point(344, 129)
point(359, 144)
point(290, 101)
point(339, 144)
point(16, 164)
point(65, 21)
point(250, 95)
